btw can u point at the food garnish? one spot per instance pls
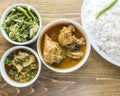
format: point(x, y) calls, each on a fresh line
point(111, 4)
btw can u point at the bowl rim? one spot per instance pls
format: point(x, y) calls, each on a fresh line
point(80, 64)
point(7, 78)
point(93, 43)
point(7, 11)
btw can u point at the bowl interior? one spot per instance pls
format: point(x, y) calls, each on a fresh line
point(5, 14)
point(78, 26)
point(5, 75)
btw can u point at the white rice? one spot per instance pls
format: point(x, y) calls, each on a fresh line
point(106, 29)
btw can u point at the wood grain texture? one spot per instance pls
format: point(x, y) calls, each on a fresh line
point(96, 78)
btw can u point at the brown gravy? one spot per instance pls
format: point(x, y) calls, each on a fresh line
point(53, 33)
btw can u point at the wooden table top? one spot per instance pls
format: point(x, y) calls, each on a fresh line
point(96, 78)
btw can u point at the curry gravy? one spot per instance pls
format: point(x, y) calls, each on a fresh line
point(53, 33)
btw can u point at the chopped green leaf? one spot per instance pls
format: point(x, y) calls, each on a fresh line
point(20, 23)
point(7, 60)
point(113, 2)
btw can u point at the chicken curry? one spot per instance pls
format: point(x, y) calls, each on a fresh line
point(63, 46)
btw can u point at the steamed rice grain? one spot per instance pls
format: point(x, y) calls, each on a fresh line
point(106, 29)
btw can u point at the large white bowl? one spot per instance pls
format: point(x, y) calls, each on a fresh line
point(5, 14)
point(80, 64)
point(94, 44)
point(7, 78)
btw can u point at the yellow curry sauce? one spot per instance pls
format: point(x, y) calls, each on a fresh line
point(53, 33)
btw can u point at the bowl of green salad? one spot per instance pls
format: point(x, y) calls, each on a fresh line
point(21, 24)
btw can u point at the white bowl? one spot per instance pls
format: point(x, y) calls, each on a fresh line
point(7, 78)
point(87, 50)
point(5, 14)
point(94, 44)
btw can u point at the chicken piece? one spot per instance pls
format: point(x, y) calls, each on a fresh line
point(17, 64)
point(18, 67)
point(20, 55)
point(70, 43)
point(52, 52)
point(29, 61)
point(22, 60)
point(66, 36)
point(71, 28)
point(75, 54)
point(72, 47)
point(80, 41)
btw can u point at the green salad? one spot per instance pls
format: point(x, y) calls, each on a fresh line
point(21, 24)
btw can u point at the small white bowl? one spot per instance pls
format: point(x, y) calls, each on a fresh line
point(5, 14)
point(80, 64)
point(7, 78)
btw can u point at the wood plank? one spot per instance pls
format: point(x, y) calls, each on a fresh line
point(96, 78)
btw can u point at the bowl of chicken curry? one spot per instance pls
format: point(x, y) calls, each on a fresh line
point(63, 46)
point(20, 66)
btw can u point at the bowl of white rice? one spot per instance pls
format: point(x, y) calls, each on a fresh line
point(104, 32)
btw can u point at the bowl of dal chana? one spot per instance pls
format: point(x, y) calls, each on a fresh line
point(20, 66)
